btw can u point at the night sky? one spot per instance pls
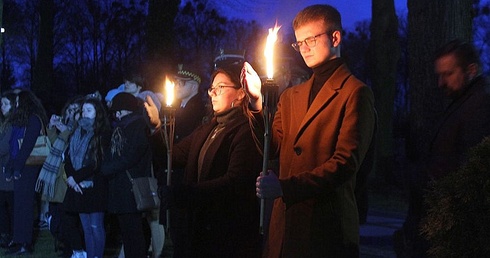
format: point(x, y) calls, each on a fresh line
point(267, 11)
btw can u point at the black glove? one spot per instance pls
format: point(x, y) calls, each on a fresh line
point(166, 197)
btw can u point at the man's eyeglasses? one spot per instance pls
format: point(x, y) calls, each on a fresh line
point(310, 42)
point(218, 89)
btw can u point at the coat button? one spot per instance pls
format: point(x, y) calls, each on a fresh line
point(297, 150)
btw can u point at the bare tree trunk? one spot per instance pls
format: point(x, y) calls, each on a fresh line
point(160, 40)
point(384, 51)
point(430, 25)
point(1, 23)
point(43, 69)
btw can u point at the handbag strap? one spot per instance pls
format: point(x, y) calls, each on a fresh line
point(129, 176)
point(43, 128)
point(131, 179)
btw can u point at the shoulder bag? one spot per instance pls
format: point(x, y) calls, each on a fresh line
point(145, 192)
point(41, 148)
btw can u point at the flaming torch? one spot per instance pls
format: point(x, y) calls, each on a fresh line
point(169, 130)
point(269, 97)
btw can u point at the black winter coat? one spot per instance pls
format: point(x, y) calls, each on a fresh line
point(135, 157)
point(93, 199)
point(222, 208)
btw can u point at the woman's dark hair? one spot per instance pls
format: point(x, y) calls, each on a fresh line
point(77, 100)
point(6, 120)
point(27, 104)
point(233, 71)
point(101, 128)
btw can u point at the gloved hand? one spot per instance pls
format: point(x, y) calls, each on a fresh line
point(166, 196)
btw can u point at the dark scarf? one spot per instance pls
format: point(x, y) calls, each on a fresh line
point(322, 73)
point(80, 141)
point(117, 139)
point(223, 119)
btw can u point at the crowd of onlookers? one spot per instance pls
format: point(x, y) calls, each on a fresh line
point(319, 138)
point(83, 188)
point(78, 137)
point(94, 142)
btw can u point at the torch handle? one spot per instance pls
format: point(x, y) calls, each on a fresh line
point(169, 130)
point(270, 94)
point(265, 163)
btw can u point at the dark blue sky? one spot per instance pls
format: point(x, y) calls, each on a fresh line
point(267, 11)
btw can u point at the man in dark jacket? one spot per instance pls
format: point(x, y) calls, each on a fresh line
point(464, 124)
point(189, 114)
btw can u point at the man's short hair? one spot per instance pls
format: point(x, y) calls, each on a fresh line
point(136, 79)
point(464, 52)
point(329, 14)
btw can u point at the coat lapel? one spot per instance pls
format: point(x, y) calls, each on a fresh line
point(198, 142)
point(214, 147)
point(324, 97)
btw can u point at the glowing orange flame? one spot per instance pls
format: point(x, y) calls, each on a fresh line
point(169, 92)
point(269, 50)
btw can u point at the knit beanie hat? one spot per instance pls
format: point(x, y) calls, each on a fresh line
point(124, 101)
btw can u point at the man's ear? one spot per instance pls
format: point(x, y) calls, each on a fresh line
point(336, 38)
point(472, 70)
point(195, 85)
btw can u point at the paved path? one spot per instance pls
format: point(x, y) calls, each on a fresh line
point(376, 241)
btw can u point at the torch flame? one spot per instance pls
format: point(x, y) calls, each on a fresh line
point(169, 92)
point(269, 50)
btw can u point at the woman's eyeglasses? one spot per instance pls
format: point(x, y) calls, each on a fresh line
point(218, 89)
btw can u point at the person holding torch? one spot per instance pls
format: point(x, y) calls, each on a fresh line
point(221, 162)
point(321, 132)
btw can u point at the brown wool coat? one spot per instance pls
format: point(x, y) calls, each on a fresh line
point(321, 149)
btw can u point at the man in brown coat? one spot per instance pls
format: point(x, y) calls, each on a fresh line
point(321, 132)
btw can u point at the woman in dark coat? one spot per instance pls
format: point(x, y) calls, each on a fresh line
point(130, 151)
point(87, 192)
point(221, 163)
point(28, 117)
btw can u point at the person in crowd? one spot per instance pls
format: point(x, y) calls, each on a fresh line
point(321, 132)
point(191, 109)
point(27, 119)
point(6, 188)
point(129, 153)
point(134, 84)
point(464, 124)
point(87, 188)
point(111, 94)
point(51, 182)
point(221, 162)
point(189, 114)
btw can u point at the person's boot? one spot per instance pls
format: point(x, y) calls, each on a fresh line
point(5, 240)
point(79, 254)
point(19, 249)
